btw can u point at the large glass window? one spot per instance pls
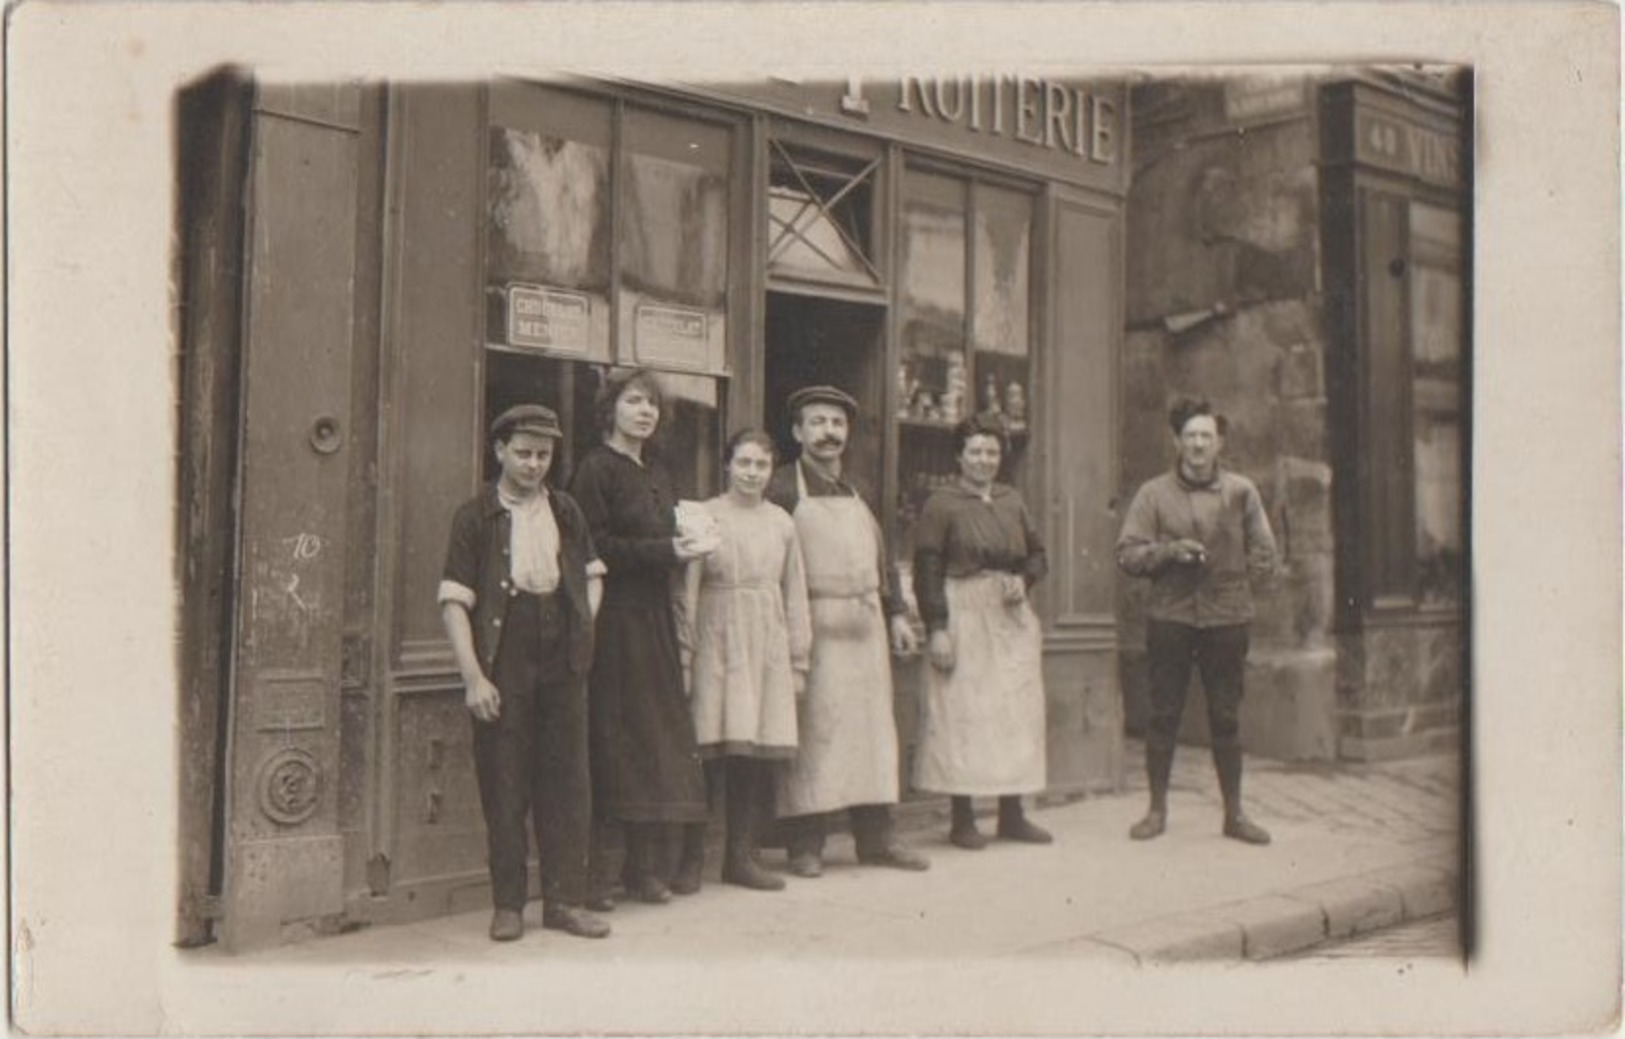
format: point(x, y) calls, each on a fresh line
point(965, 300)
point(547, 222)
point(674, 242)
point(1411, 459)
point(1435, 332)
point(594, 259)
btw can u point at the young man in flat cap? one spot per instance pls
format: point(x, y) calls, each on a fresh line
point(848, 753)
point(1200, 534)
point(519, 591)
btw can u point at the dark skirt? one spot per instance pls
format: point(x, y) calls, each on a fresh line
point(645, 766)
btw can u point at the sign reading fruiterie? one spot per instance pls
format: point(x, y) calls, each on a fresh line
point(1068, 129)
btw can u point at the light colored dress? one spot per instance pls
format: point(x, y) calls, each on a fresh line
point(750, 630)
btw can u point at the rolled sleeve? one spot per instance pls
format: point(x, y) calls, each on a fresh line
point(457, 592)
point(461, 575)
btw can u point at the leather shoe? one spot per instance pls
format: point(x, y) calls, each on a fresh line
point(1239, 827)
point(507, 925)
point(652, 890)
point(807, 865)
point(967, 837)
point(1023, 829)
point(897, 857)
point(601, 903)
point(574, 921)
point(744, 871)
point(1151, 826)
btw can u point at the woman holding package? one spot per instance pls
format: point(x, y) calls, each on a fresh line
point(751, 641)
point(645, 768)
point(977, 554)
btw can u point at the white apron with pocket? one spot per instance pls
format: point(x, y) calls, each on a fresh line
point(848, 752)
point(982, 727)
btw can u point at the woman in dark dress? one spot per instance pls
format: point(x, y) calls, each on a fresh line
point(645, 767)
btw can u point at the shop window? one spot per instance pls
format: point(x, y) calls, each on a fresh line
point(1436, 337)
point(965, 300)
point(936, 368)
point(1000, 331)
point(674, 242)
point(557, 191)
point(547, 222)
point(1411, 464)
point(820, 212)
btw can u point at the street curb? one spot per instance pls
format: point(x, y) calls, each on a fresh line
point(1293, 920)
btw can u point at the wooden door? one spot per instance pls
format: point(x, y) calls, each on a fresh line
point(283, 850)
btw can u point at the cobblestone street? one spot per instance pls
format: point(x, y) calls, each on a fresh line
point(1404, 801)
point(1438, 936)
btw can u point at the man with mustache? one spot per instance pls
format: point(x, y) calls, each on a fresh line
point(1200, 534)
point(848, 754)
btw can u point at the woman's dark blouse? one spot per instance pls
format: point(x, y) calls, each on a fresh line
point(629, 511)
point(960, 534)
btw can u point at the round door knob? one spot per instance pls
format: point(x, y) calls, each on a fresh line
point(326, 435)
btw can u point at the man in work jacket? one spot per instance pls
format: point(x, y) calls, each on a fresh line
point(1201, 535)
point(848, 735)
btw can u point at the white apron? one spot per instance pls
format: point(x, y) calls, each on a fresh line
point(982, 728)
point(848, 753)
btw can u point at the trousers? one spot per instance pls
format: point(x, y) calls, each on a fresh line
point(531, 762)
point(1220, 656)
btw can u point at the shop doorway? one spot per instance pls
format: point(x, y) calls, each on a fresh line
point(812, 340)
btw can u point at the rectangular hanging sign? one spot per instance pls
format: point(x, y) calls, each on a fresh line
point(548, 319)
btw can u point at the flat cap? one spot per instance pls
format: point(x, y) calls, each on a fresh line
point(527, 418)
point(822, 395)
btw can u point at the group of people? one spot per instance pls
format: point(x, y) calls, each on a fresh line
point(630, 662)
point(630, 659)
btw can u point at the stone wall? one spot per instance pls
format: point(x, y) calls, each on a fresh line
point(1224, 300)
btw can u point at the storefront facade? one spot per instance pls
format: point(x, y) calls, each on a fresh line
point(1299, 252)
point(372, 271)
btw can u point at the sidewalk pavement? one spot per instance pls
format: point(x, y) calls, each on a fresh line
point(1356, 848)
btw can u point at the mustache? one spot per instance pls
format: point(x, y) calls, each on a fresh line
point(829, 441)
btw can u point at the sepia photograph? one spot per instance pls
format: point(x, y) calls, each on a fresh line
point(744, 552)
point(1114, 387)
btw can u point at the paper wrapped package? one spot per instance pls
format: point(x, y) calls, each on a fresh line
point(696, 525)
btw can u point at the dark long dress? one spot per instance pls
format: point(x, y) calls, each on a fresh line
point(645, 766)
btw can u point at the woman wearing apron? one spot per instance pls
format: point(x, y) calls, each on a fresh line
point(977, 554)
point(645, 767)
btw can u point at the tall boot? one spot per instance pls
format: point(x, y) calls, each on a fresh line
point(639, 874)
point(1159, 764)
point(963, 831)
point(1227, 763)
point(690, 870)
point(691, 863)
point(1015, 826)
point(739, 864)
point(599, 896)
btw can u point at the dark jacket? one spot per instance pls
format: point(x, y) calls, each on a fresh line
point(477, 561)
